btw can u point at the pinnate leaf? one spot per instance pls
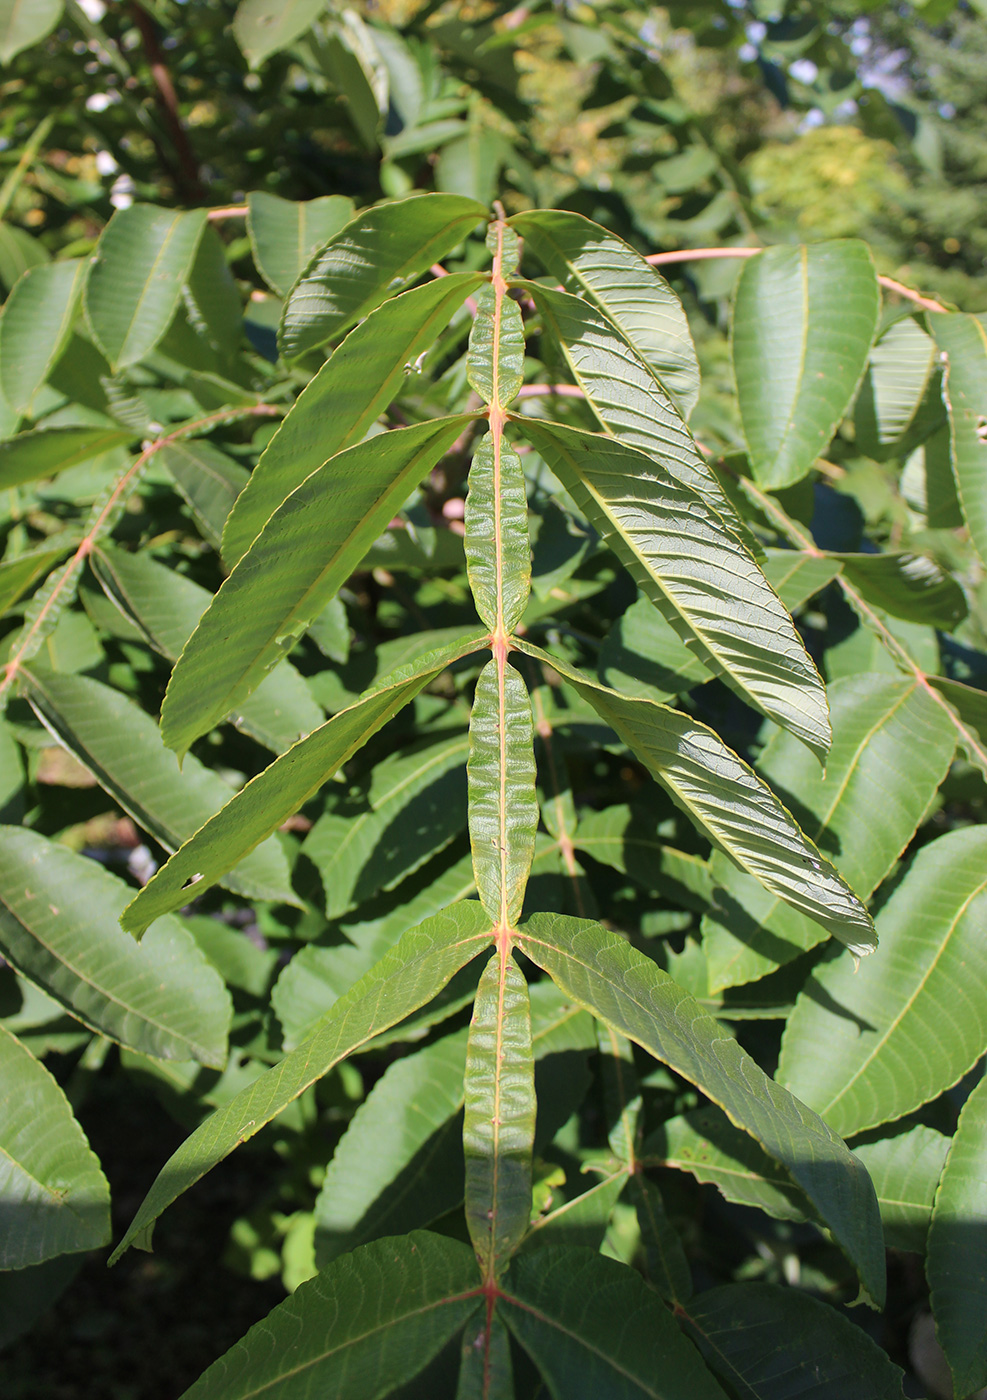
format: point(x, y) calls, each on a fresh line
point(963, 340)
point(35, 326)
point(730, 805)
point(503, 806)
point(771, 1343)
point(892, 746)
point(284, 233)
point(593, 262)
point(593, 1327)
point(344, 399)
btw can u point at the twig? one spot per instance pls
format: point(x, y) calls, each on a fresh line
point(188, 166)
point(88, 542)
point(31, 147)
point(231, 211)
point(680, 255)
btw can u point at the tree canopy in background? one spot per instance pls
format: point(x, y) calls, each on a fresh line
point(495, 593)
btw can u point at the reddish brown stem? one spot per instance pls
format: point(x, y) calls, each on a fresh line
point(188, 166)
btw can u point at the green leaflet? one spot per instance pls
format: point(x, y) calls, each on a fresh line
point(796, 576)
point(621, 1096)
point(381, 248)
point(858, 1046)
point(707, 1145)
point(909, 586)
point(485, 1370)
point(905, 1168)
point(897, 404)
point(56, 1199)
point(695, 571)
point(495, 361)
point(803, 322)
point(275, 794)
point(968, 713)
point(399, 1165)
point(729, 804)
point(297, 563)
point(23, 25)
point(594, 1328)
point(415, 806)
point(121, 747)
point(956, 1249)
point(772, 1343)
point(667, 1267)
point(344, 399)
point(284, 233)
point(499, 1123)
point(616, 280)
point(165, 607)
point(58, 926)
point(892, 746)
point(498, 554)
point(643, 655)
point(134, 285)
point(209, 480)
point(626, 838)
point(628, 397)
point(35, 327)
point(407, 977)
point(503, 806)
point(410, 1119)
point(963, 341)
point(19, 575)
point(629, 992)
point(263, 27)
point(363, 1327)
point(47, 451)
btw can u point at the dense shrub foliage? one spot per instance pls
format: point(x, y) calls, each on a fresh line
point(486, 734)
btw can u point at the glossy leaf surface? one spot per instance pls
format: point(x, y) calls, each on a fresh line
point(284, 233)
point(499, 1123)
point(498, 554)
point(730, 805)
point(344, 399)
point(614, 278)
point(696, 573)
point(371, 256)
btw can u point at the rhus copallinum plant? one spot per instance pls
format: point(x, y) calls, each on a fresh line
point(455, 1247)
